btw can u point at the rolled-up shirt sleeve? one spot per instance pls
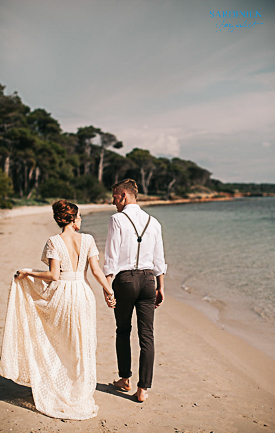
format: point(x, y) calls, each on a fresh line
point(112, 248)
point(160, 267)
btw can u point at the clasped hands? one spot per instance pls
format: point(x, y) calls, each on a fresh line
point(110, 299)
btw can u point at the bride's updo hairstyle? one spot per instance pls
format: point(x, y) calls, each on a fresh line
point(64, 212)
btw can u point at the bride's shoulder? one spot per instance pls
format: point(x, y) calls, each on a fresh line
point(89, 240)
point(51, 250)
point(53, 238)
point(88, 237)
point(52, 241)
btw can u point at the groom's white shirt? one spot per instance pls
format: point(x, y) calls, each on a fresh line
point(121, 244)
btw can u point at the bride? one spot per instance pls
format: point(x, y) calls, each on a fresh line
point(50, 332)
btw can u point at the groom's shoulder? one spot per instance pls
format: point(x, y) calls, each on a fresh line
point(116, 217)
point(153, 220)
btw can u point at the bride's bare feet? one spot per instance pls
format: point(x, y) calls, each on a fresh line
point(141, 394)
point(124, 384)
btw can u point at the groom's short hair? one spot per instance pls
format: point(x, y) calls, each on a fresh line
point(129, 185)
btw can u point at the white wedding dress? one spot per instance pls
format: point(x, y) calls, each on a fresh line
point(49, 341)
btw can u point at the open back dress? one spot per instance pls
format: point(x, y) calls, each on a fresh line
point(49, 340)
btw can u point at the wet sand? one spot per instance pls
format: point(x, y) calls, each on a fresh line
point(205, 379)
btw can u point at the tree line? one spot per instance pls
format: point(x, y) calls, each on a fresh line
point(39, 161)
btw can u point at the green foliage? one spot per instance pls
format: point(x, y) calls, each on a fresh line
point(49, 158)
point(145, 166)
point(85, 136)
point(140, 156)
point(56, 188)
point(198, 175)
point(87, 133)
point(38, 160)
point(88, 189)
point(12, 111)
point(43, 124)
point(251, 188)
point(217, 185)
point(5, 191)
point(69, 142)
point(118, 145)
point(5, 204)
point(21, 138)
point(73, 160)
point(5, 185)
point(116, 168)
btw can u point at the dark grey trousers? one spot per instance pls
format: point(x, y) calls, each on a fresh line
point(135, 289)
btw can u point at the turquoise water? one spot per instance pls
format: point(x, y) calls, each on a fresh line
point(220, 259)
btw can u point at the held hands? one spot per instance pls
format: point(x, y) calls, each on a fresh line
point(110, 299)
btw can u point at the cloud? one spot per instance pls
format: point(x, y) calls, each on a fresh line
point(266, 144)
point(245, 112)
point(205, 96)
point(157, 140)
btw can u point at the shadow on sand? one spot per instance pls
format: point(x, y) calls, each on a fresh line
point(17, 395)
point(21, 396)
point(111, 389)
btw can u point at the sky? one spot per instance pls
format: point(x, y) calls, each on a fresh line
point(163, 75)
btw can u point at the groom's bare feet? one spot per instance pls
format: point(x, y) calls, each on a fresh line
point(141, 394)
point(123, 383)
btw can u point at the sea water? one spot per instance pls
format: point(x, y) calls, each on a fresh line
point(220, 258)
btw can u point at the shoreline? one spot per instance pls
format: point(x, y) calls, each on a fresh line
point(206, 379)
point(251, 327)
point(94, 207)
point(97, 207)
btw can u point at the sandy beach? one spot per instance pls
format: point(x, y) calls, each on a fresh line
point(205, 379)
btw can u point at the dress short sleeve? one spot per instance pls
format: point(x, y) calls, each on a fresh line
point(92, 251)
point(49, 252)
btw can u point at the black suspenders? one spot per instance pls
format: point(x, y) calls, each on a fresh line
point(139, 238)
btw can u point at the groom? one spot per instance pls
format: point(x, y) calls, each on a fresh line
point(134, 255)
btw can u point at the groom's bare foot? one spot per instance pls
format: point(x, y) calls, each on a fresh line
point(123, 384)
point(141, 394)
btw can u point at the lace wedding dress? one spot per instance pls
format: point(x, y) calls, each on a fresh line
point(50, 335)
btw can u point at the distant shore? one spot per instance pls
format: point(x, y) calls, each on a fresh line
point(94, 207)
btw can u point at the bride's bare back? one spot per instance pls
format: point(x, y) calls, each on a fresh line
point(73, 244)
